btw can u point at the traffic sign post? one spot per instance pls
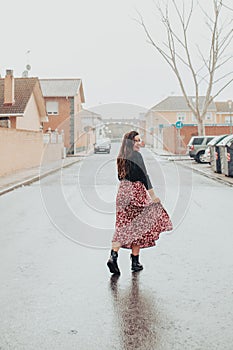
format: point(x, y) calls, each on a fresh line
point(179, 125)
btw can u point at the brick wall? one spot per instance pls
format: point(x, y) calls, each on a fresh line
point(173, 145)
point(21, 149)
point(62, 120)
point(169, 139)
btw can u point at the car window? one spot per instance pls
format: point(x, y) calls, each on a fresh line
point(209, 139)
point(198, 141)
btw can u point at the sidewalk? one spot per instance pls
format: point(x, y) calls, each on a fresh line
point(170, 156)
point(27, 176)
point(203, 169)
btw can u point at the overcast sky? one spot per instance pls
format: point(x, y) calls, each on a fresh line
point(97, 41)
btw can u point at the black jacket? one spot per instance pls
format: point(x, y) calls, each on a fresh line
point(136, 170)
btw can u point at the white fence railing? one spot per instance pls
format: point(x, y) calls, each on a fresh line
point(53, 137)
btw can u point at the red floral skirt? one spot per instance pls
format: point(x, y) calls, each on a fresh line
point(139, 220)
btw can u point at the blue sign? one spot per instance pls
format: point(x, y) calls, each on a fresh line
point(179, 124)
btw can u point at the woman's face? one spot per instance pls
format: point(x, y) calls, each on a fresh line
point(137, 143)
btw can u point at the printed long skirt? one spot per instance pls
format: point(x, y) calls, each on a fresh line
point(139, 220)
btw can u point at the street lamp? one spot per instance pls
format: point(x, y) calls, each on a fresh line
point(230, 106)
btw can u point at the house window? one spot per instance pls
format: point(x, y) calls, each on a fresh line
point(209, 116)
point(194, 119)
point(228, 119)
point(52, 107)
point(181, 116)
point(5, 122)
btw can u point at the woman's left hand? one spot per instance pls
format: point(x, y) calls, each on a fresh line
point(156, 200)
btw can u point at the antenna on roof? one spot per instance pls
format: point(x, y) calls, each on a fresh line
point(28, 66)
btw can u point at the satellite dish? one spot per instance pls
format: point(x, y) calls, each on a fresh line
point(28, 67)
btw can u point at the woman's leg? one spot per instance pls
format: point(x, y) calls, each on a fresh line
point(112, 261)
point(135, 249)
point(136, 266)
point(115, 246)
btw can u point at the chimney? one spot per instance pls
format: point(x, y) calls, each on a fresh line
point(9, 88)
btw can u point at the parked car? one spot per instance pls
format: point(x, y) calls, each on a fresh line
point(197, 146)
point(102, 146)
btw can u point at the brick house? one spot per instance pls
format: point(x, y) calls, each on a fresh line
point(22, 105)
point(175, 108)
point(22, 113)
point(161, 119)
point(224, 112)
point(167, 112)
point(64, 98)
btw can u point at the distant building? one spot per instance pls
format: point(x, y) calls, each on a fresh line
point(224, 112)
point(22, 105)
point(175, 108)
point(89, 119)
point(163, 116)
point(64, 98)
point(91, 128)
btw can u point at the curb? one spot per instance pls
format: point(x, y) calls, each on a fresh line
point(35, 178)
point(171, 156)
point(214, 177)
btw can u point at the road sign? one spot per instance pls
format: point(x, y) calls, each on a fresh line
point(179, 124)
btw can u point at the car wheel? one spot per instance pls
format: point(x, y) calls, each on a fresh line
point(200, 157)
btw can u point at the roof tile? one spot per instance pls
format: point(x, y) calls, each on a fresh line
point(23, 90)
point(60, 87)
point(178, 103)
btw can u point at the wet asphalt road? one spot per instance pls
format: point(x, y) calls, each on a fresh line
point(56, 291)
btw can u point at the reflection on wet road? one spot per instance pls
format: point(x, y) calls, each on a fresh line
point(135, 315)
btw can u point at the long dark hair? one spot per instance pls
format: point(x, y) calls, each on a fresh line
point(125, 153)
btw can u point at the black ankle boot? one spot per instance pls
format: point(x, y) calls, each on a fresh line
point(112, 263)
point(136, 266)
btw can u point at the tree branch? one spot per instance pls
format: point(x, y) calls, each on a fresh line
point(186, 48)
point(221, 78)
point(222, 88)
point(175, 50)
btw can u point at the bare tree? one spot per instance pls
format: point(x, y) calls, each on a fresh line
point(176, 51)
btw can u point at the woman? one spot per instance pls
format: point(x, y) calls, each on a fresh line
point(140, 217)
